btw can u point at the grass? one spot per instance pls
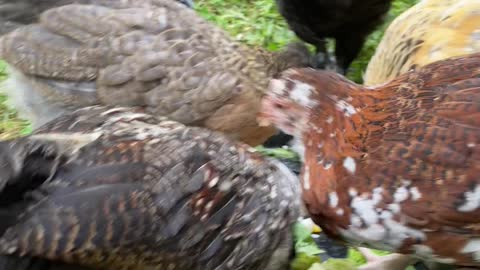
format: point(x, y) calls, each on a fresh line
point(10, 125)
point(258, 23)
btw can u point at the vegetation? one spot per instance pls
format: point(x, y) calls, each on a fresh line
point(258, 23)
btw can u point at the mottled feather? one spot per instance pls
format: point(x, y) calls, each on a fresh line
point(393, 167)
point(134, 191)
point(430, 31)
point(165, 58)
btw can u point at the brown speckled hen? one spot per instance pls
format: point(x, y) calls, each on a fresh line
point(394, 167)
point(16, 13)
point(164, 58)
point(120, 189)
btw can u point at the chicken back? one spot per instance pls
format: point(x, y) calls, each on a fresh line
point(121, 189)
point(430, 31)
point(393, 167)
point(163, 57)
point(16, 13)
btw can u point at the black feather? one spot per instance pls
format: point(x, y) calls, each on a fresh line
point(347, 21)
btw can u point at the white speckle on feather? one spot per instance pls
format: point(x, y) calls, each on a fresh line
point(329, 120)
point(327, 165)
point(365, 207)
point(199, 202)
point(356, 221)
point(349, 164)
point(213, 182)
point(209, 205)
point(352, 192)
point(473, 246)
point(415, 193)
point(70, 143)
point(375, 232)
point(273, 192)
point(339, 212)
point(386, 215)
point(333, 199)
point(112, 111)
point(380, 229)
point(472, 200)
point(346, 108)
point(406, 182)
point(301, 94)
point(319, 130)
point(394, 207)
point(277, 86)
point(471, 145)
point(225, 186)
point(400, 195)
point(306, 178)
point(332, 134)
point(399, 232)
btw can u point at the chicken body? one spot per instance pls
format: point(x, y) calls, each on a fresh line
point(430, 31)
point(164, 58)
point(394, 167)
point(16, 13)
point(347, 21)
point(120, 189)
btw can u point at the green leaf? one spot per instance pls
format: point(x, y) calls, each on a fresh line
point(306, 249)
point(303, 262)
point(304, 242)
point(278, 153)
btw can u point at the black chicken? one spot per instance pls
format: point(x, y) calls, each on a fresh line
point(347, 21)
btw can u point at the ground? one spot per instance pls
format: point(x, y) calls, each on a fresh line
point(255, 22)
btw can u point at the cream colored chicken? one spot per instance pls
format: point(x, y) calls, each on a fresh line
point(430, 31)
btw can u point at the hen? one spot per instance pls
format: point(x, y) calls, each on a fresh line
point(394, 167)
point(165, 58)
point(15, 13)
point(121, 189)
point(347, 21)
point(430, 31)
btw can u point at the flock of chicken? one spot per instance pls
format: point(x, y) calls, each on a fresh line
point(144, 115)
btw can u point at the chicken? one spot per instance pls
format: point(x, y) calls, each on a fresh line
point(430, 31)
point(393, 167)
point(115, 188)
point(347, 21)
point(165, 58)
point(16, 13)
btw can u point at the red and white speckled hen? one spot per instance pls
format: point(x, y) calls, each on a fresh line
point(163, 57)
point(394, 167)
point(120, 189)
